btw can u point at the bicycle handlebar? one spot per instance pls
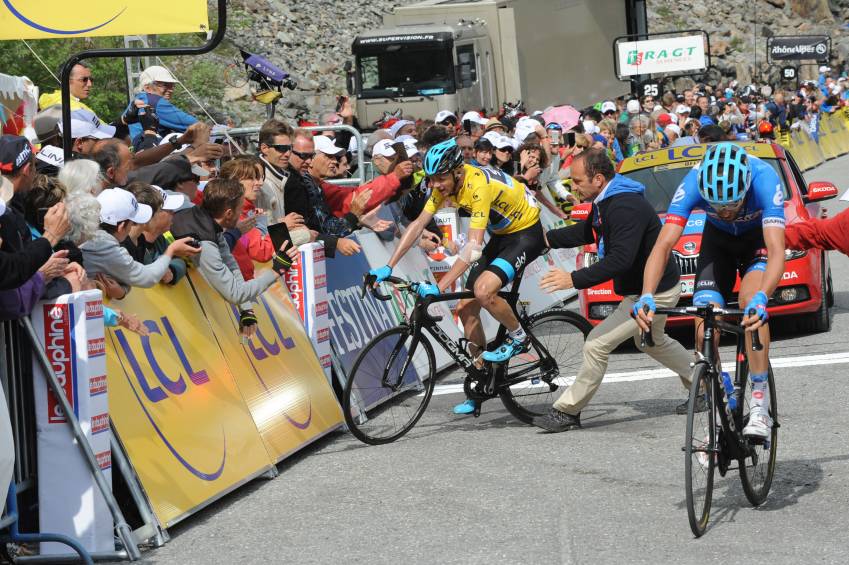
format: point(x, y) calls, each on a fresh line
point(369, 285)
point(701, 312)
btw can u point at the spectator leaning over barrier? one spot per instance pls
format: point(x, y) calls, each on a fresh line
point(80, 85)
point(322, 193)
point(220, 210)
point(140, 241)
point(119, 213)
point(158, 85)
point(297, 197)
point(176, 175)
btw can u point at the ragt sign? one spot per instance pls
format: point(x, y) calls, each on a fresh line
point(670, 55)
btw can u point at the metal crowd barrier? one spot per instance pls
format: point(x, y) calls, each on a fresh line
point(19, 345)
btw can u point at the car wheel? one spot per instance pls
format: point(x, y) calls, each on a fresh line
point(819, 321)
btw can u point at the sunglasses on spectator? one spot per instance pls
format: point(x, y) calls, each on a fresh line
point(165, 85)
point(282, 148)
point(304, 156)
point(85, 79)
point(448, 122)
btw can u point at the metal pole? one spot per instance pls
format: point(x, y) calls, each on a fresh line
point(211, 44)
point(121, 526)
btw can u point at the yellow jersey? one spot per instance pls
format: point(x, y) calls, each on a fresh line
point(496, 201)
point(52, 98)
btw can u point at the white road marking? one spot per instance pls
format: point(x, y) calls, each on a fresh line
point(650, 374)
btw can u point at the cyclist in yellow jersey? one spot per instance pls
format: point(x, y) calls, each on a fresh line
point(507, 209)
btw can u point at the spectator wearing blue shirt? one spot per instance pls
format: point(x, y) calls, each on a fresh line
point(158, 85)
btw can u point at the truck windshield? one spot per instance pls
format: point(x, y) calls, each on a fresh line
point(406, 70)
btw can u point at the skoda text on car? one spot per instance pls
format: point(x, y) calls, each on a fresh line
point(805, 289)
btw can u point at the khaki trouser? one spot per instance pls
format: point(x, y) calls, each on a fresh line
point(613, 331)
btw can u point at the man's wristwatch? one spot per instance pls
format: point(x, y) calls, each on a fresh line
point(175, 142)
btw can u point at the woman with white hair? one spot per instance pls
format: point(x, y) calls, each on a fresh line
point(82, 175)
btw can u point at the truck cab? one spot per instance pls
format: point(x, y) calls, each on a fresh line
point(423, 69)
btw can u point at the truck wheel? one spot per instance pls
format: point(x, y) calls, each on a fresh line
point(819, 321)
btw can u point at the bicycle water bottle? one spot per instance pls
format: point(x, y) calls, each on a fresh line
point(728, 385)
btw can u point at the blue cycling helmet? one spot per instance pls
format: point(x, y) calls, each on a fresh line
point(442, 158)
point(725, 174)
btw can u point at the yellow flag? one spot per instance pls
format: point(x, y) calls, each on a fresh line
point(56, 19)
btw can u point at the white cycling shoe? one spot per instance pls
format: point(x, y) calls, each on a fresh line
point(760, 424)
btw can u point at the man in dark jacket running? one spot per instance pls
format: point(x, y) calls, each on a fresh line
point(624, 226)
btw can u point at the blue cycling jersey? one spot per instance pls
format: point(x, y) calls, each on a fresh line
point(763, 205)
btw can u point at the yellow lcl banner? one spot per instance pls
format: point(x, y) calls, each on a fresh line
point(56, 19)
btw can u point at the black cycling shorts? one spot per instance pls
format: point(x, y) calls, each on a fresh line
point(508, 254)
point(721, 258)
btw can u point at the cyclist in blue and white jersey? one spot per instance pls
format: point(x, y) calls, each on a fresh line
point(744, 233)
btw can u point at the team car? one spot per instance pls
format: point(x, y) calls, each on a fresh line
point(805, 291)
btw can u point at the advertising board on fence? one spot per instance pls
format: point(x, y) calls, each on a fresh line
point(175, 405)
point(668, 55)
point(276, 371)
point(70, 329)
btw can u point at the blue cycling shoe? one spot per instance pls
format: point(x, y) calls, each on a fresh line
point(466, 407)
point(508, 349)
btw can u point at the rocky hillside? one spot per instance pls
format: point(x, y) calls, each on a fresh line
point(312, 40)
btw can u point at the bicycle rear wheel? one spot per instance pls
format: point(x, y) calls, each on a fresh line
point(389, 386)
point(700, 451)
point(757, 470)
point(537, 378)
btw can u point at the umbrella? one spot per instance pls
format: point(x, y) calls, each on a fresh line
point(567, 116)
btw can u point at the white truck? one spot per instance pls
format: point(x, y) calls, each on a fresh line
point(462, 55)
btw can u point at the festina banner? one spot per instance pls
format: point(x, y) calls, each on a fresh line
point(674, 54)
point(799, 48)
point(26, 19)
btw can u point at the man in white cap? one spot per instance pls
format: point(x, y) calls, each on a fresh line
point(608, 109)
point(473, 124)
point(448, 119)
point(402, 127)
point(119, 212)
point(683, 113)
point(158, 86)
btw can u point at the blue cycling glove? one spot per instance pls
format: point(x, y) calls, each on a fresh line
point(758, 303)
point(427, 289)
point(645, 300)
point(381, 273)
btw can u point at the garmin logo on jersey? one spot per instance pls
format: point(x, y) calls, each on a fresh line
point(773, 222)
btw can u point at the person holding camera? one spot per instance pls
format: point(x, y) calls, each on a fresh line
point(157, 85)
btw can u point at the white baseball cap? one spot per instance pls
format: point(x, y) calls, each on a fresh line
point(824, 69)
point(492, 136)
point(118, 205)
point(444, 115)
point(396, 127)
point(383, 148)
point(590, 127)
point(172, 201)
point(674, 129)
point(503, 142)
point(682, 109)
point(608, 106)
point(84, 123)
point(156, 73)
point(474, 117)
point(410, 147)
point(633, 107)
point(326, 145)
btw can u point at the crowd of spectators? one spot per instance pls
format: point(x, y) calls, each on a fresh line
point(156, 192)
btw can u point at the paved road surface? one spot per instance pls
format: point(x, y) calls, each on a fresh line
point(493, 491)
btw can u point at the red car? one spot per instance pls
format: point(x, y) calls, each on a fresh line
point(805, 290)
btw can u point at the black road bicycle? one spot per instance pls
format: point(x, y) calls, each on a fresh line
point(393, 377)
point(714, 438)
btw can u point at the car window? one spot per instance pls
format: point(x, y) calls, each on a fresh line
point(661, 181)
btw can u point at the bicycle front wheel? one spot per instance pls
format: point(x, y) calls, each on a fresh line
point(756, 470)
point(389, 386)
point(537, 378)
point(700, 450)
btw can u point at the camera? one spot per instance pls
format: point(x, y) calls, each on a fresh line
point(264, 72)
